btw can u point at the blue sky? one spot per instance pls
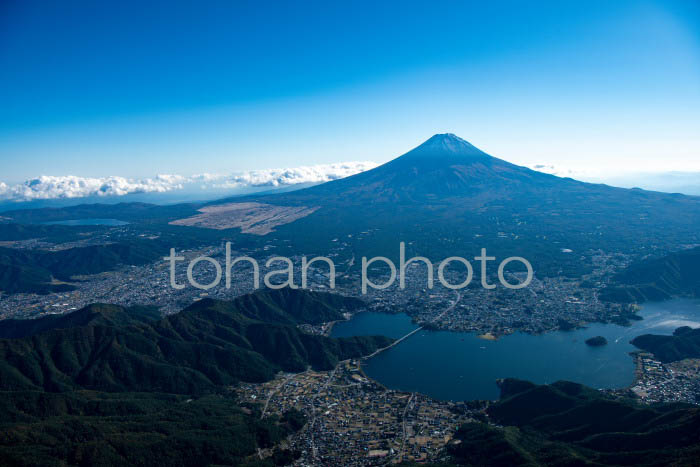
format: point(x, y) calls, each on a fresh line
point(93, 89)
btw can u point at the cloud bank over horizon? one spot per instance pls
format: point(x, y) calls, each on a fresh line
point(48, 187)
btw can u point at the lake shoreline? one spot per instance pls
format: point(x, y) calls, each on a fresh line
point(461, 366)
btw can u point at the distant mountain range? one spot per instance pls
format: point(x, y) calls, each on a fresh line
point(35, 271)
point(40, 270)
point(128, 212)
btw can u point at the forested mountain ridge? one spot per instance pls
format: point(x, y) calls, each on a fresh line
point(208, 345)
point(684, 343)
point(569, 424)
point(115, 386)
point(673, 275)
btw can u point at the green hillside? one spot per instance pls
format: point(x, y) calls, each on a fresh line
point(92, 428)
point(108, 385)
point(91, 315)
point(684, 343)
point(674, 275)
point(209, 345)
point(31, 271)
point(19, 273)
point(569, 424)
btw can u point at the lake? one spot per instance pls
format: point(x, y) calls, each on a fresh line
point(75, 222)
point(460, 366)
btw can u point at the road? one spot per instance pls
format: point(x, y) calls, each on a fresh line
point(403, 426)
point(314, 450)
point(275, 391)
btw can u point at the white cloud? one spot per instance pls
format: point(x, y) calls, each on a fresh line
point(70, 186)
point(293, 176)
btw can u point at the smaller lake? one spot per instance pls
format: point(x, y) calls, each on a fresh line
point(76, 222)
point(461, 366)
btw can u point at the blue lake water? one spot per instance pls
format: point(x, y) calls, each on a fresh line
point(88, 222)
point(461, 366)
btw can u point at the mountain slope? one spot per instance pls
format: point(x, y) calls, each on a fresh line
point(569, 424)
point(288, 306)
point(207, 346)
point(443, 167)
point(186, 362)
point(450, 198)
point(673, 275)
point(89, 428)
point(95, 314)
point(684, 343)
point(31, 271)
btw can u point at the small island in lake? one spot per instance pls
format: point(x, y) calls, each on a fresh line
point(596, 341)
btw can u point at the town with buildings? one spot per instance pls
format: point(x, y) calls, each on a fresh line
point(348, 413)
point(666, 382)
